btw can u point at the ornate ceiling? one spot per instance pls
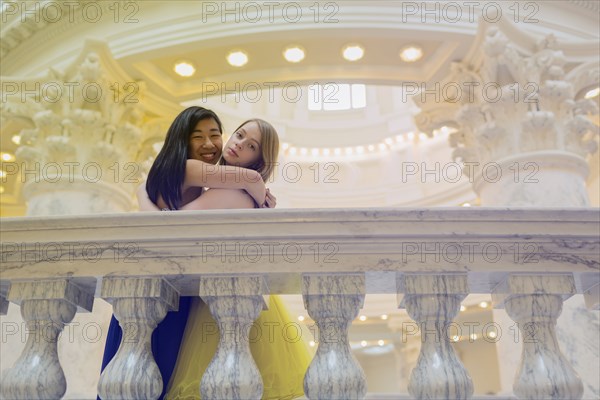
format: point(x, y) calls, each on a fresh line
point(145, 39)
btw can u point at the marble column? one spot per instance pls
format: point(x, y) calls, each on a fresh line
point(534, 302)
point(333, 301)
point(524, 134)
point(139, 304)
point(235, 303)
point(80, 154)
point(433, 301)
point(46, 306)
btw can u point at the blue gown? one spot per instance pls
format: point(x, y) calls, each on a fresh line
point(166, 340)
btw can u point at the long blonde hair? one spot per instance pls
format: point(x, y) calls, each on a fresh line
point(269, 146)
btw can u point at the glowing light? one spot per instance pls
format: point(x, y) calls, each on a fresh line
point(463, 308)
point(237, 58)
point(349, 151)
point(353, 52)
point(326, 152)
point(371, 147)
point(592, 93)
point(380, 342)
point(381, 146)
point(466, 204)
point(2, 174)
point(492, 334)
point(337, 151)
point(7, 157)
point(384, 317)
point(455, 338)
point(483, 304)
point(411, 54)
point(303, 151)
point(311, 343)
point(363, 343)
point(389, 141)
point(16, 139)
point(473, 336)
point(1, 189)
point(363, 318)
point(300, 318)
point(293, 150)
point(184, 68)
point(360, 150)
point(293, 54)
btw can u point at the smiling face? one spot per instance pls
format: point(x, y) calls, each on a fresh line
point(205, 142)
point(243, 149)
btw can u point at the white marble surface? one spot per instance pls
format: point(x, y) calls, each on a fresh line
point(235, 303)
point(534, 303)
point(433, 302)
point(139, 304)
point(333, 301)
point(181, 247)
point(545, 178)
point(578, 330)
point(46, 306)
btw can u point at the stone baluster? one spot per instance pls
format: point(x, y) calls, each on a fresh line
point(333, 301)
point(235, 303)
point(433, 301)
point(527, 146)
point(534, 302)
point(592, 297)
point(139, 304)
point(46, 306)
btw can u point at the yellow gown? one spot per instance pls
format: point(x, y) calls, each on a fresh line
point(282, 363)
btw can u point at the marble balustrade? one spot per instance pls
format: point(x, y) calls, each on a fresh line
point(530, 260)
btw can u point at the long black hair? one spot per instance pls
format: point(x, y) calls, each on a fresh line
point(168, 170)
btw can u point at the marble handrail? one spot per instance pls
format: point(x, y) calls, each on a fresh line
point(531, 260)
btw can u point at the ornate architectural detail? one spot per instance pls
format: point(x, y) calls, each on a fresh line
point(521, 103)
point(85, 124)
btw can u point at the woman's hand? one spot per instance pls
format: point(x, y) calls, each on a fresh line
point(270, 200)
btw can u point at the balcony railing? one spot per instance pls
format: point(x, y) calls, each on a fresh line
point(530, 260)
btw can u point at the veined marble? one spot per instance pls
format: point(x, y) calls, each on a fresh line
point(46, 306)
point(534, 303)
point(333, 301)
point(139, 304)
point(433, 301)
point(235, 303)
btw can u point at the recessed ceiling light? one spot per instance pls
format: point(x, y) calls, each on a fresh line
point(483, 304)
point(16, 139)
point(411, 54)
point(237, 58)
point(363, 343)
point(7, 157)
point(592, 93)
point(294, 54)
point(184, 68)
point(353, 52)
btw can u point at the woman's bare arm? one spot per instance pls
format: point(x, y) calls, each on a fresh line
point(201, 174)
point(144, 201)
point(218, 199)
